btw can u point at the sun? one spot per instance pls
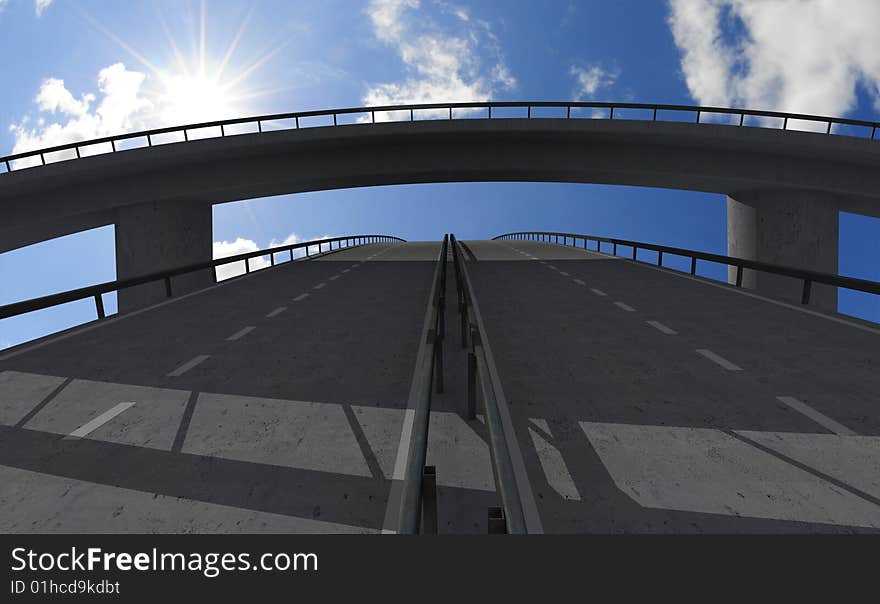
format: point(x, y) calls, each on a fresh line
point(190, 99)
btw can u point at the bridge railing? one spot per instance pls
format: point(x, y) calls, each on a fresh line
point(693, 113)
point(418, 501)
point(808, 277)
point(511, 518)
point(96, 291)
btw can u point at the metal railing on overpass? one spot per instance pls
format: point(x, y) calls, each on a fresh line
point(418, 502)
point(96, 291)
point(696, 114)
point(808, 277)
point(511, 517)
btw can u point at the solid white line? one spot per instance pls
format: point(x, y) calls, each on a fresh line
point(189, 365)
point(625, 307)
point(662, 328)
point(816, 416)
point(334, 277)
point(300, 297)
point(239, 334)
point(100, 420)
point(276, 312)
point(598, 292)
point(319, 286)
point(718, 359)
point(579, 282)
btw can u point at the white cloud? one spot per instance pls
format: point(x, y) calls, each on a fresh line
point(589, 80)
point(440, 66)
point(41, 5)
point(222, 249)
point(122, 107)
point(806, 56)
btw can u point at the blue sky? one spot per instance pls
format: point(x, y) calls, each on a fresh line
point(91, 68)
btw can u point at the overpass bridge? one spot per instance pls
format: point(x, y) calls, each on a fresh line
point(515, 384)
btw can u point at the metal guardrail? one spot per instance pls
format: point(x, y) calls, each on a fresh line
point(698, 113)
point(96, 291)
point(418, 502)
point(479, 361)
point(808, 277)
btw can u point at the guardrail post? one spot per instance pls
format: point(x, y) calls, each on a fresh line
point(805, 296)
point(694, 265)
point(99, 306)
point(739, 275)
point(247, 265)
point(272, 259)
point(168, 286)
point(497, 522)
point(429, 500)
point(472, 386)
point(660, 258)
point(614, 248)
point(635, 251)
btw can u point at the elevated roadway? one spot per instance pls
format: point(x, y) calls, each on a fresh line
point(643, 400)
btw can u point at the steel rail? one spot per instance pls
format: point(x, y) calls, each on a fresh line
point(492, 396)
point(96, 291)
point(447, 109)
point(809, 277)
point(419, 401)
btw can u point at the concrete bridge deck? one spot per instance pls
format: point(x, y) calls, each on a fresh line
point(643, 400)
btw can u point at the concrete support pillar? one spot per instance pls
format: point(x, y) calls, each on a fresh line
point(152, 237)
point(790, 228)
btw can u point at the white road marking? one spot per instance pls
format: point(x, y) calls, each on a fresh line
point(543, 262)
point(718, 359)
point(564, 274)
point(276, 312)
point(99, 421)
point(300, 297)
point(319, 286)
point(240, 333)
point(625, 307)
point(334, 277)
point(354, 266)
point(816, 416)
point(345, 270)
point(579, 282)
point(598, 292)
point(550, 266)
point(662, 328)
point(189, 365)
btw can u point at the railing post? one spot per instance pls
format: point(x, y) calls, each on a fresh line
point(429, 500)
point(168, 287)
point(805, 296)
point(635, 250)
point(472, 386)
point(739, 275)
point(615, 248)
point(694, 265)
point(99, 306)
point(247, 265)
point(272, 259)
point(497, 522)
point(660, 258)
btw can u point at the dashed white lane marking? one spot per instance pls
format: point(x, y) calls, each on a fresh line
point(189, 365)
point(543, 262)
point(598, 292)
point(240, 333)
point(319, 286)
point(353, 266)
point(334, 277)
point(718, 359)
point(345, 270)
point(662, 328)
point(564, 274)
point(816, 416)
point(99, 421)
point(579, 282)
point(276, 312)
point(300, 297)
point(550, 266)
point(625, 307)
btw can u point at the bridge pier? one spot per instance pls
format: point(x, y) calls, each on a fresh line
point(793, 228)
point(155, 236)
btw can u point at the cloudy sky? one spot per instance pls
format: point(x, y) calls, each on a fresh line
point(80, 69)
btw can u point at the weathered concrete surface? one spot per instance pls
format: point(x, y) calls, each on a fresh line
point(152, 237)
point(627, 428)
point(788, 228)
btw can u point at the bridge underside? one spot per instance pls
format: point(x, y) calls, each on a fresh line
point(643, 401)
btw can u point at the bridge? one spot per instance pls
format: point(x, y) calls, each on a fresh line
point(533, 383)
